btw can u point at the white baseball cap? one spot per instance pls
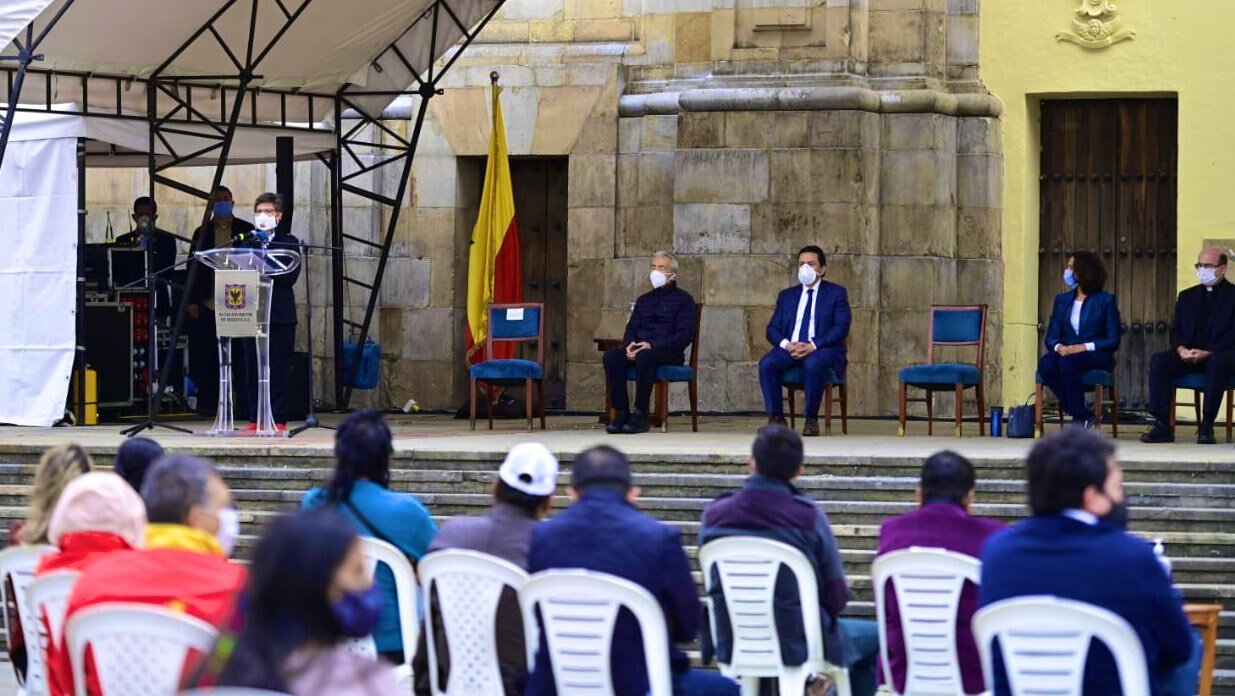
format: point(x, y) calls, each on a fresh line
point(531, 468)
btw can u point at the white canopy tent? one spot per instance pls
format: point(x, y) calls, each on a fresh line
point(216, 82)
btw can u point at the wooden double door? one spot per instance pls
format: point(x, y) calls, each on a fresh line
point(1108, 185)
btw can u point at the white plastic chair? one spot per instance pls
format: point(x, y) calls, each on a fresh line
point(18, 563)
point(1044, 641)
point(138, 649)
point(377, 551)
point(927, 583)
point(48, 596)
point(579, 609)
point(748, 567)
point(469, 586)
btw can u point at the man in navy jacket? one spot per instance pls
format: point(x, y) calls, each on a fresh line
point(603, 531)
point(1202, 340)
point(1075, 547)
point(661, 326)
point(808, 329)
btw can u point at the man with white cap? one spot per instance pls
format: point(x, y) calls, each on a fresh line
point(522, 493)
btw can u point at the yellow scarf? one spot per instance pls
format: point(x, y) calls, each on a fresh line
point(179, 537)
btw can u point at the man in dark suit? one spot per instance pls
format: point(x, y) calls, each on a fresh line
point(224, 229)
point(942, 521)
point(1202, 340)
point(162, 247)
point(1075, 547)
point(661, 326)
point(808, 329)
point(602, 530)
point(268, 233)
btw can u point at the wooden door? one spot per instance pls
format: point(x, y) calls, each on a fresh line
point(1108, 185)
point(540, 210)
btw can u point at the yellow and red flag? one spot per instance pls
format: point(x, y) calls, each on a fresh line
point(494, 271)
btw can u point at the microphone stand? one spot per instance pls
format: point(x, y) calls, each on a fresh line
point(153, 395)
point(310, 420)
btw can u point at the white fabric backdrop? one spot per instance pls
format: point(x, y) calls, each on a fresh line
point(38, 220)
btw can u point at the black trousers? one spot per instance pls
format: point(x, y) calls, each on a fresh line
point(645, 362)
point(204, 359)
point(282, 342)
point(1166, 366)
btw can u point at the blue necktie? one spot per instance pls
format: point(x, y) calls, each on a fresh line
point(804, 320)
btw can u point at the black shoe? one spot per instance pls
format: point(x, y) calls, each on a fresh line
point(810, 428)
point(619, 421)
point(777, 420)
point(638, 423)
point(1159, 433)
point(1083, 423)
point(1205, 435)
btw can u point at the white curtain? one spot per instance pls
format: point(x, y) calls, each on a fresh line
point(38, 223)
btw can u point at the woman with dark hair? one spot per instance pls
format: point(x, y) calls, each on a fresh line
point(1083, 334)
point(309, 591)
point(134, 457)
point(360, 491)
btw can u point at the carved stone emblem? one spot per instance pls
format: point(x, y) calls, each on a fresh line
point(1096, 25)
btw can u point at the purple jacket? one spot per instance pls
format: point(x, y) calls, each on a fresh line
point(941, 525)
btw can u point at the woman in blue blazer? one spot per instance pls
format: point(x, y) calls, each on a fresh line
point(1083, 334)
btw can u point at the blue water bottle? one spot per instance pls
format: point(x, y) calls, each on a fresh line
point(996, 421)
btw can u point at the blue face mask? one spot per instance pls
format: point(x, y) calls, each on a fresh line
point(358, 612)
point(1069, 278)
point(223, 208)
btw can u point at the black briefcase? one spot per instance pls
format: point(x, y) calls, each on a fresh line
point(1020, 422)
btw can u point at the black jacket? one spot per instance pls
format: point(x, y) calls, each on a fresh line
point(283, 298)
point(203, 239)
point(664, 317)
point(162, 258)
point(1221, 318)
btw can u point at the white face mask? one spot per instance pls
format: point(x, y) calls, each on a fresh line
point(1207, 276)
point(229, 529)
point(658, 279)
point(807, 274)
point(265, 222)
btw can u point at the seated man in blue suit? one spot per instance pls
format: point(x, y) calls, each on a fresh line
point(1075, 547)
point(1083, 334)
point(808, 329)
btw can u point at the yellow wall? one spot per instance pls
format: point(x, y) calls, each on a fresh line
point(1181, 48)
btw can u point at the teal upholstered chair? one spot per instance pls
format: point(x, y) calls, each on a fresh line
point(1196, 382)
point(513, 323)
point(666, 374)
point(795, 381)
point(950, 325)
point(1097, 381)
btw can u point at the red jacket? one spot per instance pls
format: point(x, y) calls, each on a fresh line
point(204, 586)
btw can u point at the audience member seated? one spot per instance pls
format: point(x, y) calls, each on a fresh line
point(661, 326)
point(56, 469)
point(360, 491)
point(770, 507)
point(1202, 342)
point(1083, 334)
point(807, 330)
point(1074, 546)
point(134, 458)
point(522, 493)
point(98, 513)
point(309, 592)
point(184, 564)
point(945, 493)
point(603, 531)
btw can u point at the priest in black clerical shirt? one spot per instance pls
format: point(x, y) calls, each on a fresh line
point(1202, 341)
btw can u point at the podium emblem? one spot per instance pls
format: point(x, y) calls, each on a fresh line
point(236, 296)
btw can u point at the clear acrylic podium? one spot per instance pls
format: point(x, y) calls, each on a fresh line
point(268, 263)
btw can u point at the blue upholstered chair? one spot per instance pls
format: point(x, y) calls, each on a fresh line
point(950, 325)
point(689, 373)
point(795, 380)
point(1097, 381)
point(513, 323)
point(1196, 382)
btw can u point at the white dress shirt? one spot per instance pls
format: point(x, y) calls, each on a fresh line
point(797, 322)
point(1082, 516)
point(1075, 319)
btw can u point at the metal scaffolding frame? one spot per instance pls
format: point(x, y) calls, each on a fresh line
point(207, 111)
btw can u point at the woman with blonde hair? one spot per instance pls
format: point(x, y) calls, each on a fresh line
point(57, 467)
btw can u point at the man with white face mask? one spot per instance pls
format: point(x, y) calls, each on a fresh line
point(661, 326)
point(808, 329)
point(1202, 341)
point(268, 233)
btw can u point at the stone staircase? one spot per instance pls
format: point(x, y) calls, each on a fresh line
point(1190, 506)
